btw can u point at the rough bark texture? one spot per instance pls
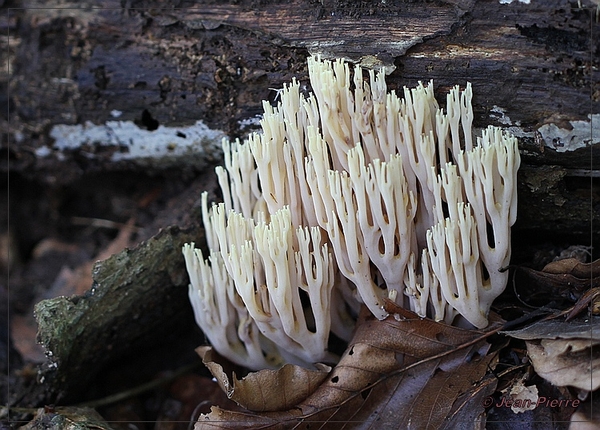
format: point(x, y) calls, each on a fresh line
point(530, 64)
point(534, 69)
point(137, 298)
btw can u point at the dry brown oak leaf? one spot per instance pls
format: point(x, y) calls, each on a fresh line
point(404, 370)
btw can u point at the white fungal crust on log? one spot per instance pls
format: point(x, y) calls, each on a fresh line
point(391, 192)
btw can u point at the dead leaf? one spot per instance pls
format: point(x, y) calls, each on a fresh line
point(23, 330)
point(566, 362)
point(590, 297)
point(77, 281)
point(403, 369)
point(573, 266)
point(567, 279)
point(587, 415)
point(557, 329)
point(255, 391)
point(564, 353)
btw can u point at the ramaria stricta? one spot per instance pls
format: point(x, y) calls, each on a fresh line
point(347, 197)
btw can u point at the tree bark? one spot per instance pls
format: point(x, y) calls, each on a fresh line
point(534, 70)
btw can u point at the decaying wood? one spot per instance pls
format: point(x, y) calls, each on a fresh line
point(530, 64)
point(138, 298)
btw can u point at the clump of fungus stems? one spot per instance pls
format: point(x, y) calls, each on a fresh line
point(347, 197)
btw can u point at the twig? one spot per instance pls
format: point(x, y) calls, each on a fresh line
point(99, 223)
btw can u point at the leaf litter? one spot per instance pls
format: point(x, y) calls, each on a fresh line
point(406, 371)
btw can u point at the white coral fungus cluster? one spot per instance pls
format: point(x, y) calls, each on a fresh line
point(392, 193)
